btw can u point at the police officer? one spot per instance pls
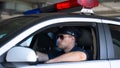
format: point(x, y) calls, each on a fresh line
point(67, 41)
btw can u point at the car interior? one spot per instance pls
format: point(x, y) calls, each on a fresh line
point(45, 41)
point(48, 41)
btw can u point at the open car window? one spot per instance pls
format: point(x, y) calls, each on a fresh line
point(45, 41)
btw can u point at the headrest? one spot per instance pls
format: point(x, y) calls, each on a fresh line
point(21, 54)
point(86, 38)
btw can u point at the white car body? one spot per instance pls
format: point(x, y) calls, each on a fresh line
point(106, 56)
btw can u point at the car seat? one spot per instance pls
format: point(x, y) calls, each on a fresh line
point(85, 41)
point(42, 42)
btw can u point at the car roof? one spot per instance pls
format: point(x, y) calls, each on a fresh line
point(58, 15)
point(45, 16)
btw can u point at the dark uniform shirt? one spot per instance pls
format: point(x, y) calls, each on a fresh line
point(57, 53)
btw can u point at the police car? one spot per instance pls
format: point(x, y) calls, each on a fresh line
point(21, 36)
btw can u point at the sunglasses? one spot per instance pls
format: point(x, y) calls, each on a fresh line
point(60, 36)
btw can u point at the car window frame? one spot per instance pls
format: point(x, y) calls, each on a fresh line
point(102, 43)
point(29, 31)
point(109, 43)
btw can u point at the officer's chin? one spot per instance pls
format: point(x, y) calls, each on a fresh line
point(60, 46)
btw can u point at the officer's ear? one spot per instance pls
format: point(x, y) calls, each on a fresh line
point(73, 38)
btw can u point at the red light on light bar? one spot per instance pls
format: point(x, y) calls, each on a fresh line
point(88, 3)
point(74, 3)
point(67, 4)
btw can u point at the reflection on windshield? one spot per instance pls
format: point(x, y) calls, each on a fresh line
point(10, 26)
point(2, 35)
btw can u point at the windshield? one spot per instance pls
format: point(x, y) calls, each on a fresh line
point(11, 25)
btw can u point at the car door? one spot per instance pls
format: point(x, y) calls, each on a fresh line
point(112, 32)
point(101, 51)
point(98, 63)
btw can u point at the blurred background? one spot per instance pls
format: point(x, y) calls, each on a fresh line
point(13, 8)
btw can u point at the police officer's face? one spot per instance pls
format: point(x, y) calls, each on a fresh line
point(64, 40)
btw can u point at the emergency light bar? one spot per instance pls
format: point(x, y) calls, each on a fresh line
point(67, 4)
point(64, 5)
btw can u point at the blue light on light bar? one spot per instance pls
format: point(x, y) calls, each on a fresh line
point(33, 11)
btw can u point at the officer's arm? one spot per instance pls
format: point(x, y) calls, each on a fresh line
point(71, 56)
point(42, 56)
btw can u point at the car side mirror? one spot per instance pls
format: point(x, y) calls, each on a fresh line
point(21, 54)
